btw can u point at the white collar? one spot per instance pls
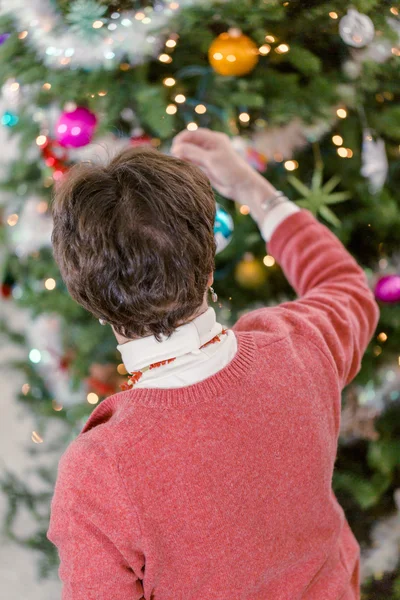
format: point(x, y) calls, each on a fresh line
point(139, 353)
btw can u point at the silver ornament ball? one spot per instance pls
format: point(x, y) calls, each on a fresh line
point(356, 29)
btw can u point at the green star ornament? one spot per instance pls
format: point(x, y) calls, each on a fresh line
point(319, 195)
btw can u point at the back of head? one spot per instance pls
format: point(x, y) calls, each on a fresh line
point(134, 240)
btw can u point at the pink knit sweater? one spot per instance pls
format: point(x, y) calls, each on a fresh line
point(222, 489)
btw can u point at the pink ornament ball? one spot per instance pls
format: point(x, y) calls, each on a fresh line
point(76, 128)
point(387, 288)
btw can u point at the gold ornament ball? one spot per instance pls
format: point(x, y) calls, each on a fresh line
point(250, 273)
point(233, 53)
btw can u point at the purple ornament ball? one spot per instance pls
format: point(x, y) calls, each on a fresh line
point(4, 37)
point(387, 288)
point(76, 128)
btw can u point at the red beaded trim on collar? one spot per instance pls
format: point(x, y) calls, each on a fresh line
point(136, 375)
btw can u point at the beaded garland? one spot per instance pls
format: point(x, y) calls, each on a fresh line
point(136, 375)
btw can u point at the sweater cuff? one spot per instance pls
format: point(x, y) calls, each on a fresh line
point(287, 228)
point(275, 218)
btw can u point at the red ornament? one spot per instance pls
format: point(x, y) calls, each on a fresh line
point(6, 290)
point(141, 140)
point(55, 157)
point(66, 360)
point(100, 387)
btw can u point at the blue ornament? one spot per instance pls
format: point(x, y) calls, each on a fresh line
point(9, 119)
point(223, 228)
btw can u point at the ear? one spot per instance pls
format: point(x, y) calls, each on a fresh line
point(210, 280)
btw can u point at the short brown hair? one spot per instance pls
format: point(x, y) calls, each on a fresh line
point(134, 240)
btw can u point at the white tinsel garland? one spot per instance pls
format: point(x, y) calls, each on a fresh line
point(60, 46)
point(44, 337)
point(384, 554)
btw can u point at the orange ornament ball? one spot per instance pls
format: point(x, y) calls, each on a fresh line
point(233, 53)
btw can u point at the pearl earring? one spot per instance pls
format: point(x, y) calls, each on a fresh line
point(102, 322)
point(214, 296)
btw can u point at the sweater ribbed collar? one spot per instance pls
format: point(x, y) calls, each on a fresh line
point(230, 378)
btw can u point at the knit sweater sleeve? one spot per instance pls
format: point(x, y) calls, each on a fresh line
point(90, 511)
point(336, 309)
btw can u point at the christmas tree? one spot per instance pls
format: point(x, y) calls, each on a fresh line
point(309, 93)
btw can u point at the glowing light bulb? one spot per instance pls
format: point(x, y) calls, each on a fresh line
point(268, 260)
point(41, 140)
point(342, 152)
point(291, 165)
point(337, 140)
point(341, 113)
point(264, 49)
point(171, 109)
point(282, 49)
point(97, 24)
point(244, 117)
point(165, 58)
point(270, 38)
point(192, 126)
point(170, 43)
point(333, 15)
point(50, 284)
point(169, 81)
point(35, 356)
point(180, 98)
point(92, 398)
point(200, 109)
point(12, 220)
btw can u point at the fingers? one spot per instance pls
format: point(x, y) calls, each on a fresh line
point(191, 152)
point(201, 137)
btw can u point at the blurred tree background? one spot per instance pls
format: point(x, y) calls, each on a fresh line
point(309, 92)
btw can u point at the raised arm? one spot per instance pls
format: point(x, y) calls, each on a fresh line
point(336, 310)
